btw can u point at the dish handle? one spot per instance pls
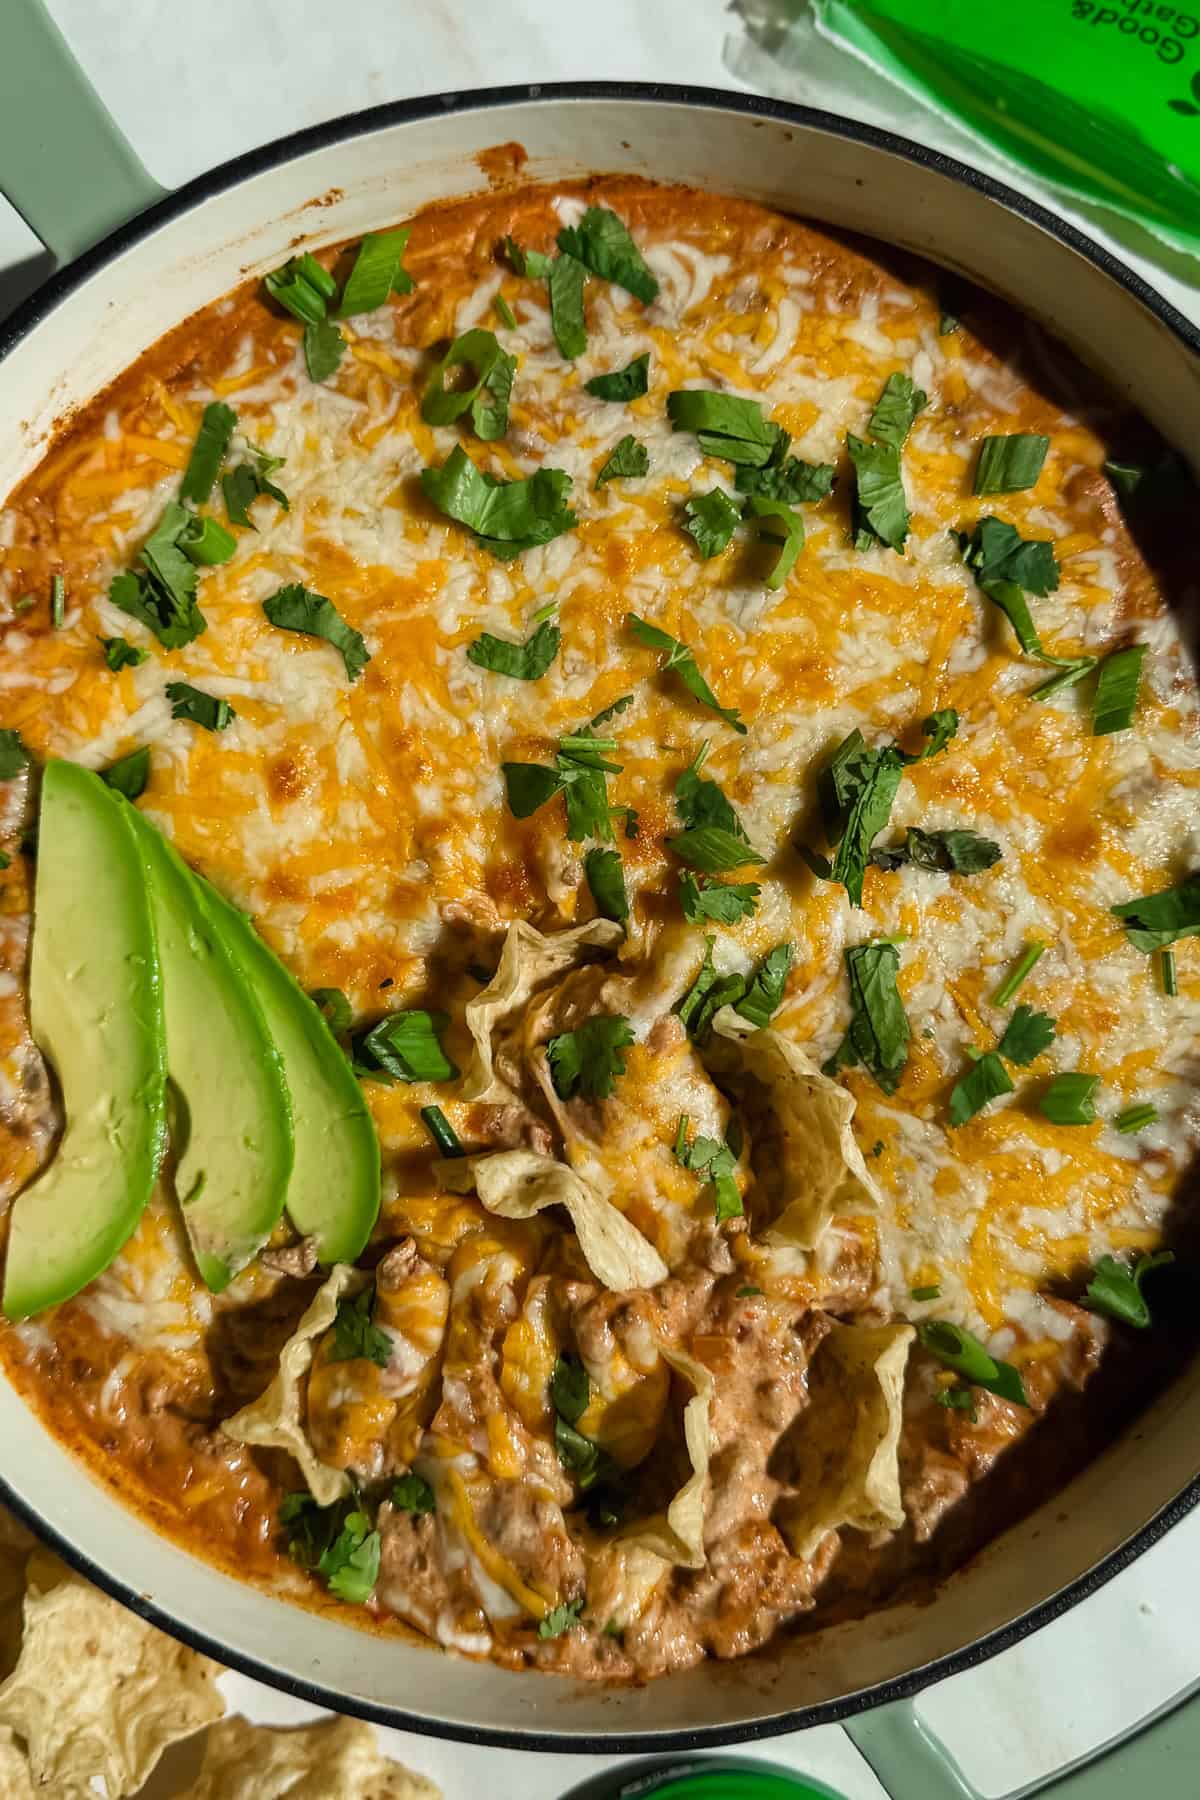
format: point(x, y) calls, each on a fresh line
point(64, 163)
point(1160, 1761)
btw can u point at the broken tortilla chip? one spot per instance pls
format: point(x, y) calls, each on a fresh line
point(516, 1184)
point(275, 1421)
point(678, 1534)
point(807, 1166)
point(336, 1759)
point(527, 960)
point(96, 1691)
point(841, 1455)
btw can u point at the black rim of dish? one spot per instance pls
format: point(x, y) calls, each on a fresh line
point(318, 137)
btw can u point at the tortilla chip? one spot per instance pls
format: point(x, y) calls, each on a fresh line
point(15, 1546)
point(678, 1534)
point(527, 960)
point(516, 1184)
point(807, 1166)
point(842, 1453)
point(275, 1420)
point(16, 1781)
point(336, 1759)
point(97, 1691)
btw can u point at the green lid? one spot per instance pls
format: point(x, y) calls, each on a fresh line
point(724, 1780)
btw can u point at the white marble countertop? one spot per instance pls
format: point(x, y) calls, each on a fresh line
point(193, 89)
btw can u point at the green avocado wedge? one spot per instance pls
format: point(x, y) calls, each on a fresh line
point(333, 1195)
point(96, 1013)
point(232, 1117)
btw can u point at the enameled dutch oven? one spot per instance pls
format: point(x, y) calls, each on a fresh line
point(74, 179)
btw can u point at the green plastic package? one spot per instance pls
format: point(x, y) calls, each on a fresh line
point(1101, 97)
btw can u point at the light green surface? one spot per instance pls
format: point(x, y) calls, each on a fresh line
point(64, 164)
point(1161, 1762)
point(96, 1014)
point(333, 1194)
point(234, 1124)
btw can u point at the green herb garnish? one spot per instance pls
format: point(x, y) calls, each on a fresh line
point(925, 1293)
point(879, 1031)
point(580, 772)
point(627, 460)
point(355, 1336)
point(764, 995)
point(984, 1081)
point(1020, 970)
point(13, 755)
point(947, 852)
point(603, 245)
point(507, 517)
point(560, 1619)
point(504, 312)
point(896, 411)
point(412, 1493)
point(324, 348)
point(523, 662)
point(605, 875)
point(1116, 1290)
point(334, 1008)
point(996, 551)
point(789, 480)
point(378, 271)
point(193, 704)
point(711, 520)
point(1008, 464)
point(404, 1046)
point(716, 1162)
point(250, 480)
point(959, 1351)
point(120, 654)
point(129, 774)
point(208, 452)
point(1068, 1099)
point(629, 383)
point(295, 608)
point(570, 1388)
point(441, 1131)
point(1116, 690)
point(566, 282)
point(1026, 1035)
point(721, 901)
point(1135, 1118)
point(161, 594)
point(586, 1062)
point(682, 663)
point(880, 510)
point(725, 425)
point(485, 397)
point(1156, 920)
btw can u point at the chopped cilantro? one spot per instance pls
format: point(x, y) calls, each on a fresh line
point(586, 1062)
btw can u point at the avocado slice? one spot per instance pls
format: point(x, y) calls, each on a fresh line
point(96, 1013)
point(333, 1194)
point(233, 1122)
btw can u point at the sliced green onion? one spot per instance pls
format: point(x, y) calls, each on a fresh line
point(1068, 1099)
point(1166, 970)
point(441, 1131)
point(1135, 1118)
point(504, 312)
point(378, 268)
point(1017, 974)
point(925, 1293)
point(1008, 464)
point(58, 602)
point(207, 541)
point(970, 1359)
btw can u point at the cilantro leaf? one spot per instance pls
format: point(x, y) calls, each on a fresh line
point(351, 1563)
point(560, 1619)
point(13, 755)
point(1156, 920)
point(355, 1336)
point(1116, 690)
point(712, 849)
point(532, 263)
point(566, 280)
point(711, 520)
point(192, 703)
point(378, 271)
point(879, 1030)
point(629, 383)
point(570, 1387)
point(161, 594)
point(880, 506)
point(208, 452)
point(1008, 464)
point(586, 1062)
point(404, 1046)
point(722, 901)
point(602, 244)
point(726, 425)
point(129, 774)
point(627, 459)
point(707, 994)
point(764, 996)
point(876, 784)
point(523, 662)
point(506, 516)
point(985, 1080)
point(579, 773)
point(578, 1454)
point(605, 875)
point(940, 727)
point(996, 551)
point(244, 485)
point(701, 802)
point(896, 410)
point(948, 852)
point(1026, 1035)
point(412, 1493)
point(120, 654)
point(682, 663)
point(324, 348)
point(295, 608)
point(1116, 1290)
point(790, 480)
point(716, 1162)
point(485, 397)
